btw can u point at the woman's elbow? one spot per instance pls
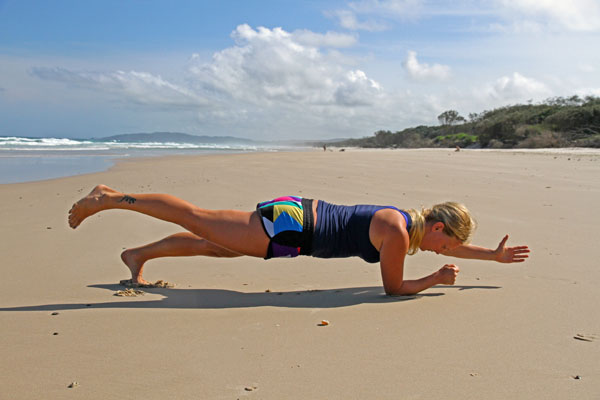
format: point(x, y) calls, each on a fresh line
point(397, 290)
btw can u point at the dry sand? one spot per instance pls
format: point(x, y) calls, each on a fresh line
point(248, 328)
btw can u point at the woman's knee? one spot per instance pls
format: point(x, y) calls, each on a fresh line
point(214, 250)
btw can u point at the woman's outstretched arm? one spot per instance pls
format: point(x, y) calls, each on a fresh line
point(501, 254)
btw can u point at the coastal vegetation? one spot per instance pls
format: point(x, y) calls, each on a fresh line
point(555, 122)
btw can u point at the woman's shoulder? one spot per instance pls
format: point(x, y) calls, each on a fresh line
point(389, 221)
point(388, 226)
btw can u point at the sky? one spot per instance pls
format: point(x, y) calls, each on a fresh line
point(283, 69)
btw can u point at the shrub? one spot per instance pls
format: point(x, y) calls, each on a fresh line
point(458, 139)
point(545, 139)
point(495, 144)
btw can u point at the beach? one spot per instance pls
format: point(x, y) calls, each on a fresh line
point(249, 328)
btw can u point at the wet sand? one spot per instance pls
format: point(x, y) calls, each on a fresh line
point(249, 328)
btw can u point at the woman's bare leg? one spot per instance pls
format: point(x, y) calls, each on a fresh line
point(238, 231)
point(177, 245)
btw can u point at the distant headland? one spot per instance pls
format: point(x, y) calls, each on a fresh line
point(175, 137)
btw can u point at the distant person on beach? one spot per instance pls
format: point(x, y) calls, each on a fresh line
point(291, 226)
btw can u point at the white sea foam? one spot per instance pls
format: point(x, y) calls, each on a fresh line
point(37, 142)
point(24, 159)
point(65, 144)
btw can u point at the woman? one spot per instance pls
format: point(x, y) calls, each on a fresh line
point(291, 226)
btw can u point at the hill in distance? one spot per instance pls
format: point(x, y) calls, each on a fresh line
point(175, 137)
point(555, 122)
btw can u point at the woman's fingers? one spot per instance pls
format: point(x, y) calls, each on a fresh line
point(521, 248)
point(511, 254)
point(520, 253)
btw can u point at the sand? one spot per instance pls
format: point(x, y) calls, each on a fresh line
point(249, 328)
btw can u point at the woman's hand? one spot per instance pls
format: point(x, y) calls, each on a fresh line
point(447, 274)
point(505, 254)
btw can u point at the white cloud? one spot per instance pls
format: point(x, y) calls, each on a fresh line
point(575, 15)
point(268, 72)
point(586, 68)
point(588, 92)
point(516, 88)
point(507, 16)
point(422, 71)
point(329, 39)
point(139, 87)
point(519, 27)
point(269, 82)
point(270, 66)
point(399, 8)
point(357, 90)
point(348, 20)
point(377, 12)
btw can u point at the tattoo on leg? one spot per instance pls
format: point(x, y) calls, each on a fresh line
point(128, 199)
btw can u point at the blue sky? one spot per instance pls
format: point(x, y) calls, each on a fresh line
point(283, 69)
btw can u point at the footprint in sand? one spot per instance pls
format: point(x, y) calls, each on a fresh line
point(129, 293)
point(587, 337)
point(158, 284)
point(131, 290)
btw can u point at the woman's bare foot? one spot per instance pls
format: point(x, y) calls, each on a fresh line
point(135, 264)
point(89, 205)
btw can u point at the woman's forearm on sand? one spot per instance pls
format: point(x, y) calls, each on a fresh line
point(409, 287)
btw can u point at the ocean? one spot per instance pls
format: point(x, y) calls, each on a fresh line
point(25, 159)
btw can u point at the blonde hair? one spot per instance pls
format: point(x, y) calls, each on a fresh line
point(457, 220)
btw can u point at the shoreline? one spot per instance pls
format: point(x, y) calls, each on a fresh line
point(106, 162)
point(93, 162)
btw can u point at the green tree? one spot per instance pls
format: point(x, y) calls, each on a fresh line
point(450, 117)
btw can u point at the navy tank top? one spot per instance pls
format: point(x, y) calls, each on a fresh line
point(343, 231)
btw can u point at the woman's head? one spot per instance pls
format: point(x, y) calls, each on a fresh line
point(450, 218)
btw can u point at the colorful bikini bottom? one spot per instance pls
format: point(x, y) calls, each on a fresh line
point(288, 221)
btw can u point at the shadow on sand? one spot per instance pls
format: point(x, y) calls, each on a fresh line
point(220, 298)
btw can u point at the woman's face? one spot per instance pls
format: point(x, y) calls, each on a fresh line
point(436, 240)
